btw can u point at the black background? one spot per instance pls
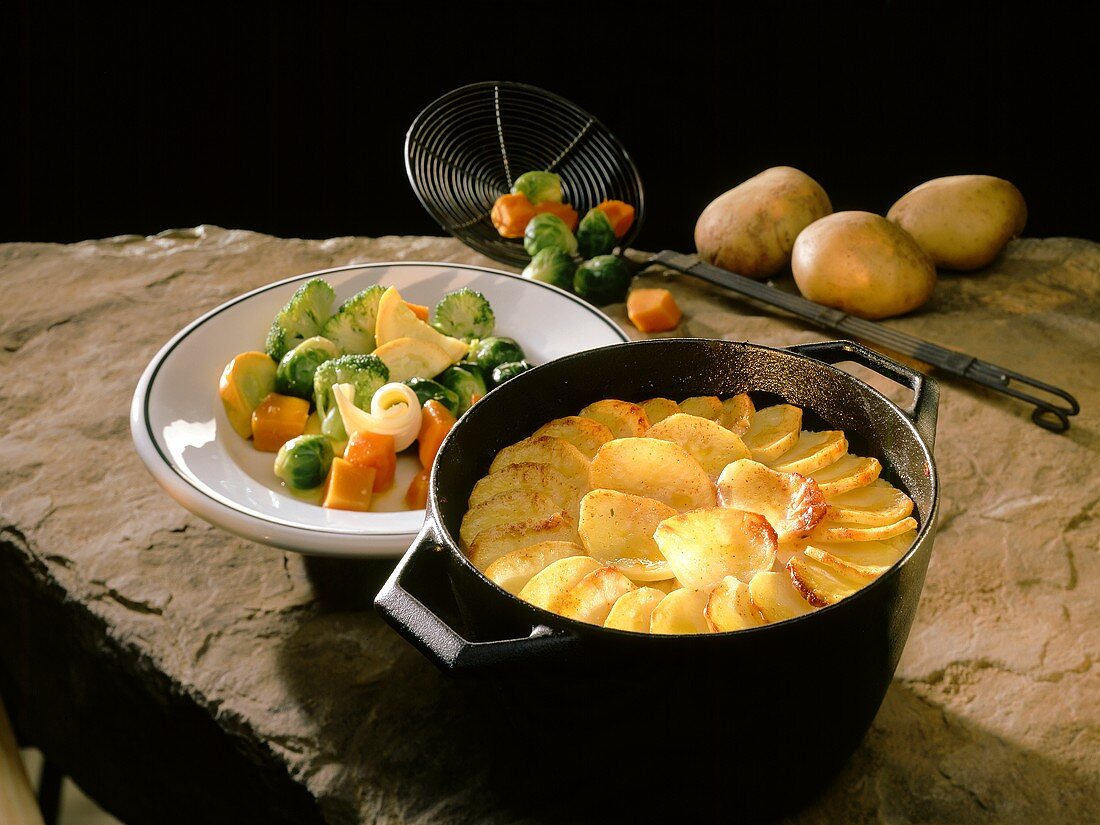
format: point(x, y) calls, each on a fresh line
point(291, 120)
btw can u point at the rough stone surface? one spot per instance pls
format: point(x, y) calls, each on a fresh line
point(994, 714)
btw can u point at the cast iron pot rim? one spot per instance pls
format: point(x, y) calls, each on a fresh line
point(443, 538)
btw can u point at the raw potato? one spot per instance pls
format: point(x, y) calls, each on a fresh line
point(547, 588)
point(652, 468)
point(680, 612)
point(751, 229)
point(591, 599)
point(506, 508)
point(544, 449)
point(963, 221)
point(862, 264)
point(704, 546)
point(494, 542)
point(513, 570)
point(792, 504)
point(617, 529)
point(709, 443)
point(633, 610)
point(625, 420)
point(583, 433)
point(730, 607)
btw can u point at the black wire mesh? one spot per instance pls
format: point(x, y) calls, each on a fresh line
point(465, 149)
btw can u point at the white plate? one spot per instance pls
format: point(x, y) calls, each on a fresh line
point(181, 432)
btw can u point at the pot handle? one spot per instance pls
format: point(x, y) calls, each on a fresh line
point(926, 393)
point(432, 636)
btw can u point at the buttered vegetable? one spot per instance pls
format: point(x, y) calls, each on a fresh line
point(394, 411)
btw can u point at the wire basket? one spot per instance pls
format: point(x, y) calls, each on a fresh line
point(466, 148)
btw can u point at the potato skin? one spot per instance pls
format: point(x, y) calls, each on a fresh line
point(751, 228)
point(962, 221)
point(862, 264)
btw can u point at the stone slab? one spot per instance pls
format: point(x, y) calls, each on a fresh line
point(278, 665)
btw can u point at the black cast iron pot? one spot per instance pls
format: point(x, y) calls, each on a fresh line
point(769, 712)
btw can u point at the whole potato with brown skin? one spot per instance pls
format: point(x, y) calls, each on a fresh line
point(962, 221)
point(751, 228)
point(862, 264)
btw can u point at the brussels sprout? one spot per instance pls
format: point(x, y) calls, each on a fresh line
point(552, 266)
point(303, 462)
point(510, 370)
point(464, 314)
point(295, 373)
point(366, 372)
point(352, 327)
point(303, 317)
point(604, 279)
point(467, 384)
point(489, 353)
point(539, 187)
point(428, 390)
point(595, 235)
point(547, 230)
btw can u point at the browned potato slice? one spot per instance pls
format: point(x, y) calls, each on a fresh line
point(527, 475)
point(658, 409)
point(791, 503)
point(513, 570)
point(625, 420)
point(703, 406)
point(829, 531)
point(547, 588)
point(849, 472)
point(730, 607)
point(634, 609)
point(591, 599)
point(407, 358)
point(737, 413)
point(665, 585)
point(395, 321)
point(776, 598)
point(704, 546)
point(820, 584)
point(709, 443)
point(493, 542)
point(544, 449)
point(506, 508)
point(867, 559)
point(652, 468)
point(681, 611)
point(583, 433)
point(774, 430)
point(812, 452)
point(876, 504)
point(617, 528)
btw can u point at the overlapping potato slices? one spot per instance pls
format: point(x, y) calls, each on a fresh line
point(709, 443)
point(792, 503)
point(544, 449)
point(652, 468)
point(701, 516)
point(681, 612)
point(624, 419)
point(494, 542)
point(704, 546)
point(586, 434)
point(591, 599)
point(513, 570)
point(773, 431)
point(617, 529)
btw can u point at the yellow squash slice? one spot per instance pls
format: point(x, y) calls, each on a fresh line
point(396, 321)
point(412, 358)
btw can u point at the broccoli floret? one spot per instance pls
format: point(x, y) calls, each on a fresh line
point(303, 317)
point(367, 373)
point(464, 314)
point(352, 327)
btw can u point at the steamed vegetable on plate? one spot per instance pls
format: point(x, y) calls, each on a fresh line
point(339, 393)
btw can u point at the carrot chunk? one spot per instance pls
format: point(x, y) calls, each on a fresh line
point(419, 311)
point(653, 310)
point(367, 449)
point(348, 487)
point(563, 210)
point(435, 423)
point(511, 213)
point(416, 497)
point(276, 420)
point(620, 214)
